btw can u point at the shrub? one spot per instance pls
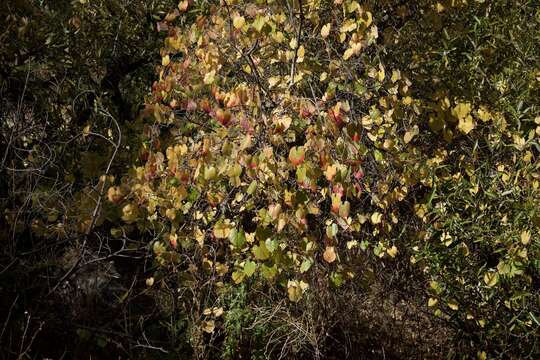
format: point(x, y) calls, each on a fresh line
point(286, 141)
point(288, 146)
point(313, 178)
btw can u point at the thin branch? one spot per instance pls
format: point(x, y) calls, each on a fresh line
point(298, 34)
point(8, 316)
point(97, 208)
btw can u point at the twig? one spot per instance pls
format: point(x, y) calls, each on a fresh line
point(298, 34)
point(97, 207)
point(247, 56)
point(21, 355)
point(8, 316)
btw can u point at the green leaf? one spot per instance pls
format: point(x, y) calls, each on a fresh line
point(378, 155)
point(252, 187)
point(237, 238)
point(269, 272)
point(271, 245)
point(336, 279)
point(491, 278)
point(364, 245)
point(210, 173)
point(306, 265)
point(174, 181)
point(260, 251)
point(263, 233)
point(238, 276)
point(331, 230)
point(249, 268)
point(259, 22)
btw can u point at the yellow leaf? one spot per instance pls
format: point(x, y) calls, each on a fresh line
point(222, 269)
point(367, 19)
point(199, 236)
point(525, 237)
point(296, 289)
point(461, 110)
point(466, 124)
point(392, 251)
point(209, 77)
point(347, 26)
point(396, 75)
point(274, 210)
point(325, 30)
point(282, 221)
point(278, 37)
point(452, 304)
point(344, 209)
point(408, 137)
point(348, 53)
point(238, 22)
point(273, 81)
point(446, 239)
point(208, 326)
point(250, 237)
point(238, 276)
point(352, 7)
point(484, 114)
point(381, 73)
point(300, 54)
point(376, 218)
point(352, 244)
point(331, 171)
point(86, 130)
point(293, 43)
point(166, 60)
point(207, 312)
point(170, 213)
point(221, 230)
point(329, 254)
point(491, 278)
point(183, 5)
point(432, 302)
point(407, 100)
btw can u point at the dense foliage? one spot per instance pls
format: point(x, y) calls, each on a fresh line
point(312, 178)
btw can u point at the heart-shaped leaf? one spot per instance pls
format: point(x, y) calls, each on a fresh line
point(296, 155)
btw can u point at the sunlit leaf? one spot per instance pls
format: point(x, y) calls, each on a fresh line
point(249, 268)
point(221, 230)
point(329, 254)
point(260, 251)
point(325, 30)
